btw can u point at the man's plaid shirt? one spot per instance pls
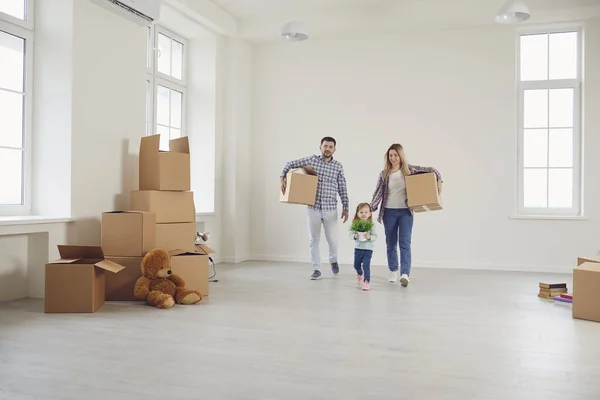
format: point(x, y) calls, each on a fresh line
point(331, 181)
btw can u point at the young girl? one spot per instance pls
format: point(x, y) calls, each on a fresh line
point(363, 246)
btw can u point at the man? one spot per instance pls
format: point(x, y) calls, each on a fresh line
point(331, 183)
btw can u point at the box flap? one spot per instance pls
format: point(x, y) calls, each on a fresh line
point(307, 170)
point(180, 145)
point(109, 266)
point(64, 261)
point(78, 252)
point(589, 266)
point(204, 249)
point(150, 144)
point(581, 260)
point(179, 252)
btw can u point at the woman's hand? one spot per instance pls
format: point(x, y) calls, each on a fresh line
point(439, 185)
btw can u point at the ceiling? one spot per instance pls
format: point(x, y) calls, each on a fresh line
point(261, 20)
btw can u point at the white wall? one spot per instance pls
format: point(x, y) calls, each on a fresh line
point(449, 98)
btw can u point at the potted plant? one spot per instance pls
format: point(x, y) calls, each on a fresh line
point(361, 227)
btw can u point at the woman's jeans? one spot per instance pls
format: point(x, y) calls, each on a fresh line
point(398, 223)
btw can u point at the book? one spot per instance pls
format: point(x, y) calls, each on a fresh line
point(552, 285)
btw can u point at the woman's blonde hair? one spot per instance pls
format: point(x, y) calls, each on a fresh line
point(403, 161)
point(360, 207)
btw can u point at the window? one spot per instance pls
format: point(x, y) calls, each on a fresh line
point(16, 52)
point(550, 109)
point(166, 85)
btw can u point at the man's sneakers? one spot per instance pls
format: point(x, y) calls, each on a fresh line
point(316, 275)
point(335, 268)
point(404, 280)
point(393, 277)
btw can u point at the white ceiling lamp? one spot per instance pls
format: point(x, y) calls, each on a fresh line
point(294, 32)
point(512, 12)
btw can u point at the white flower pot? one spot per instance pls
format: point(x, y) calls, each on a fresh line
point(361, 236)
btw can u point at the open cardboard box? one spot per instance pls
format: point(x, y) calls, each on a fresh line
point(301, 187)
point(422, 192)
point(164, 170)
point(75, 283)
point(192, 266)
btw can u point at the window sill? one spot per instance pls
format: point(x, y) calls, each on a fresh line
point(207, 214)
point(32, 220)
point(550, 217)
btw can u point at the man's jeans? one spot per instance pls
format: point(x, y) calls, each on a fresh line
point(328, 219)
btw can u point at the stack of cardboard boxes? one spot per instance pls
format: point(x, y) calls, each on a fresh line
point(161, 215)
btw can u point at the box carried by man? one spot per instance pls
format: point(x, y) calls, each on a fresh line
point(301, 187)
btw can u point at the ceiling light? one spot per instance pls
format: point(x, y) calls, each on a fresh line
point(513, 11)
point(294, 32)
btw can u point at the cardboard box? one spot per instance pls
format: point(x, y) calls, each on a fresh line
point(168, 206)
point(76, 282)
point(422, 192)
point(128, 233)
point(164, 170)
point(119, 287)
point(301, 187)
point(586, 289)
point(193, 267)
point(180, 236)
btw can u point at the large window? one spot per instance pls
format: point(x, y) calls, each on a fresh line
point(550, 109)
point(16, 52)
point(166, 85)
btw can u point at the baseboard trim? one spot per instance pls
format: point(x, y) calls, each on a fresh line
point(561, 269)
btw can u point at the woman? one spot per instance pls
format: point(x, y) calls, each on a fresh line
point(397, 217)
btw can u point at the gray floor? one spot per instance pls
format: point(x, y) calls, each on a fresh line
point(268, 332)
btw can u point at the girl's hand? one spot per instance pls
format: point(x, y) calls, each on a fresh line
point(356, 236)
point(367, 236)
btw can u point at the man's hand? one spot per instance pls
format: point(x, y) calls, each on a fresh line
point(345, 216)
point(439, 185)
point(283, 184)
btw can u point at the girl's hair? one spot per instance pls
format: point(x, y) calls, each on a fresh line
point(403, 161)
point(360, 207)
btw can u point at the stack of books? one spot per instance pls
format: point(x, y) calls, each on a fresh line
point(549, 290)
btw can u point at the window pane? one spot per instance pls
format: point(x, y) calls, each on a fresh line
point(177, 65)
point(535, 185)
point(11, 181)
point(535, 109)
point(534, 57)
point(164, 54)
point(11, 119)
point(12, 54)
point(162, 105)
point(563, 55)
point(535, 148)
point(560, 193)
point(561, 108)
point(163, 131)
point(175, 133)
point(149, 48)
point(15, 8)
point(561, 148)
point(176, 100)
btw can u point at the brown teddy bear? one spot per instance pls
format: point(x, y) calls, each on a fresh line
point(159, 286)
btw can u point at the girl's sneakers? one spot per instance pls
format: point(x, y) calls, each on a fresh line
point(359, 280)
point(366, 286)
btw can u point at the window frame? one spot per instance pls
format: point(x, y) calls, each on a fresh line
point(577, 85)
point(27, 23)
point(157, 78)
point(23, 31)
